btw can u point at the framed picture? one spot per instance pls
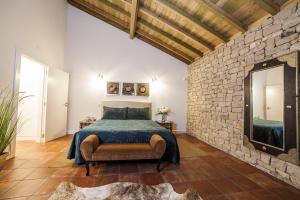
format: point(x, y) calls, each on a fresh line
point(142, 89)
point(128, 89)
point(113, 88)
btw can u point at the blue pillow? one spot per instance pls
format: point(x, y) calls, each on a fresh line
point(138, 113)
point(114, 113)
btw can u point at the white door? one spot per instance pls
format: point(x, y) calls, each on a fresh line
point(274, 102)
point(56, 104)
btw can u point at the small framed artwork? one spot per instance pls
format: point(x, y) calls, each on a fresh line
point(142, 89)
point(113, 88)
point(128, 89)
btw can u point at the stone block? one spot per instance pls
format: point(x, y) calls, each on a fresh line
point(260, 165)
point(282, 174)
point(235, 53)
point(266, 158)
point(294, 172)
point(227, 51)
point(279, 50)
point(271, 29)
point(295, 46)
point(278, 33)
point(250, 160)
point(278, 164)
point(258, 35)
point(249, 38)
point(267, 22)
point(244, 51)
point(280, 53)
point(298, 28)
point(291, 22)
point(259, 57)
point(287, 39)
point(230, 43)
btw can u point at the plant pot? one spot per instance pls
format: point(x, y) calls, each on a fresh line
point(3, 159)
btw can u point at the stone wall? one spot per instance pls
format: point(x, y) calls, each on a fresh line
point(215, 89)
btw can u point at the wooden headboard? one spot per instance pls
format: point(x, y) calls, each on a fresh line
point(130, 104)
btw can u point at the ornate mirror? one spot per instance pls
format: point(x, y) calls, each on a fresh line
point(271, 107)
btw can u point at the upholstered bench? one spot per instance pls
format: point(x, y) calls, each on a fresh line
point(93, 151)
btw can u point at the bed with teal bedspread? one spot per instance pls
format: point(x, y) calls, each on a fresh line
point(125, 131)
point(268, 131)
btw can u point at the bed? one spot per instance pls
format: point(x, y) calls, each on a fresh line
point(268, 132)
point(125, 131)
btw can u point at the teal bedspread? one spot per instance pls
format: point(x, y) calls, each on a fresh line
point(268, 131)
point(125, 131)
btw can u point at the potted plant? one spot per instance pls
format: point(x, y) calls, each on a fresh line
point(163, 111)
point(9, 120)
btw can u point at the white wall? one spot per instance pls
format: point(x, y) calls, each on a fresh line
point(258, 94)
point(94, 47)
point(34, 27)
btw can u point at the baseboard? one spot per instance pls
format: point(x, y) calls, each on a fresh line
point(20, 138)
point(179, 132)
point(71, 132)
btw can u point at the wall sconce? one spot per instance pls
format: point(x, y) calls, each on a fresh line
point(155, 85)
point(97, 81)
point(100, 76)
point(154, 79)
point(101, 81)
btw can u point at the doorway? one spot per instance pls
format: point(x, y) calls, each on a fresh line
point(274, 102)
point(44, 112)
point(31, 83)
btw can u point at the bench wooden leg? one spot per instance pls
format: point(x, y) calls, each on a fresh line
point(158, 164)
point(87, 167)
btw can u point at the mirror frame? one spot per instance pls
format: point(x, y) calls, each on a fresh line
point(291, 139)
point(251, 108)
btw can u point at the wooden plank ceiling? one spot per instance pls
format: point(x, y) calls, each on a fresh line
point(185, 29)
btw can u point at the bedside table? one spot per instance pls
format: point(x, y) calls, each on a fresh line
point(85, 123)
point(166, 124)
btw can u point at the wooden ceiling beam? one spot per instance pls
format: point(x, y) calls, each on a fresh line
point(169, 36)
point(268, 6)
point(164, 47)
point(221, 3)
point(102, 15)
point(179, 29)
point(133, 17)
point(96, 12)
point(192, 19)
point(174, 27)
point(150, 26)
point(224, 15)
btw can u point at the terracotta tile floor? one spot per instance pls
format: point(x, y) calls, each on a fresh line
point(215, 176)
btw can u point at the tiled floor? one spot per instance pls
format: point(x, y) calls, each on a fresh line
point(216, 176)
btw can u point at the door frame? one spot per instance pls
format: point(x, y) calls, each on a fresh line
point(16, 85)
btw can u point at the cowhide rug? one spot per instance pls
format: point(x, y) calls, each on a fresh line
point(122, 191)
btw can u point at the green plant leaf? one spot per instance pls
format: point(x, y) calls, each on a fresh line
point(10, 120)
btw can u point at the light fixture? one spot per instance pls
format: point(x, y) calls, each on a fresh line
point(100, 76)
point(97, 81)
point(154, 79)
point(155, 85)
